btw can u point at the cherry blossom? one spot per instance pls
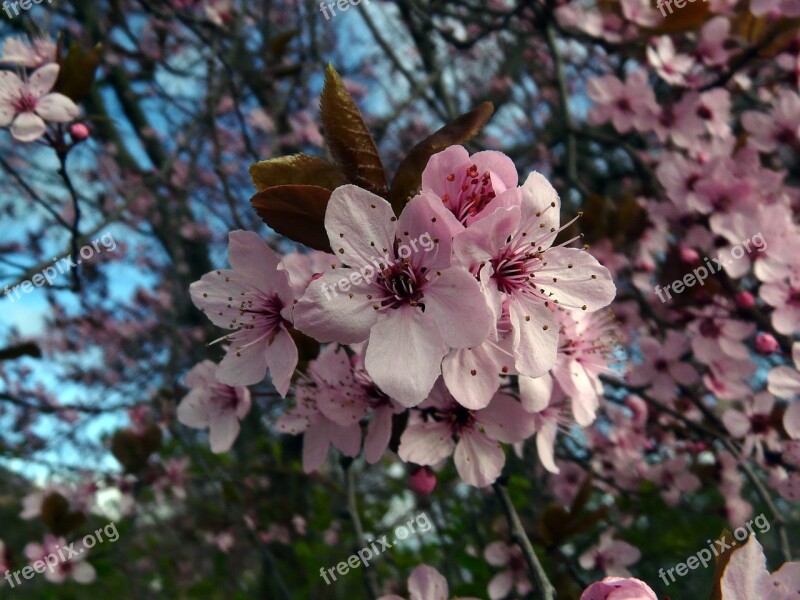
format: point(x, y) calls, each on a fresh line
point(746, 576)
point(256, 300)
point(406, 343)
point(27, 104)
point(425, 583)
point(619, 588)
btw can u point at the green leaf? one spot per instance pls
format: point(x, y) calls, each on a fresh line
point(296, 169)
point(349, 141)
point(78, 69)
point(409, 174)
point(297, 212)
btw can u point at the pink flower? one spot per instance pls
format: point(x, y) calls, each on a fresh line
point(32, 54)
point(753, 423)
point(628, 105)
point(711, 45)
point(610, 555)
point(663, 366)
point(674, 477)
point(213, 405)
point(425, 583)
point(746, 576)
point(670, 66)
point(785, 383)
point(715, 334)
point(255, 300)
point(325, 374)
point(25, 105)
point(466, 184)
point(442, 426)
point(619, 588)
point(780, 127)
point(511, 252)
point(784, 297)
point(500, 554)
point(73, 567)
point(585, 346)
point(410, 305)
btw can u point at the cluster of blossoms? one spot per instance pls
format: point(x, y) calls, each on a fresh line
point(27, 100)
point(484, 336)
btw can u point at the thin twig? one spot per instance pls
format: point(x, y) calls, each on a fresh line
point(358, 527)
point(518, 535)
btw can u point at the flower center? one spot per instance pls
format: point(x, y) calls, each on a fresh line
point(468, 194)
point(403, 284)
point(25, 102)
point(514, 269)
point(708, 328)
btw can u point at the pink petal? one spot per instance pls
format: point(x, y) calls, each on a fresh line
point(329, 314)
point(315, 444)
point(535, 393)
point(535, 332)
point(379, 432)
point(404, 354)
point(786, 581)
point(426, 220)
point(281, 358)
point(426, 443)
point(346, 439)
point(440, 166)
point(457, 305)
point(360, 225)
point(506, 421)
point(43, 79)
point(202, 374)
point(28, 127)
point(194, 409)
point(538, 197)
point(545, 445)
point(736, 422)
point(784, 382)
point(57, 108)
point(574, 286)
point(472, 374)
point(224, 428)
point(791, 420)
point(497, 554)
point(251, 258)
point(10, 85)
point(746, 577)
point(426, 583)
point(245, 363)
point(500, 585)
point(479, 460)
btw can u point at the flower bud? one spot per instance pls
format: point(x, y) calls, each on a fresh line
point(423, 481)
point(745, 300)
point(766, 343)
point(689, 255)
point(79, 132)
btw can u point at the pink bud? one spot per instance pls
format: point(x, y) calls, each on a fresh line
point(745, 300)
point(766, 343)
point(689, 255)
point(79, 132)
point(423, 481)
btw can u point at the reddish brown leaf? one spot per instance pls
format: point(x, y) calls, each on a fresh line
point(348, 138)
point(56, 515)
point(77, 72)
point(409, 174)
point(300, 169)
point(297, 212)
